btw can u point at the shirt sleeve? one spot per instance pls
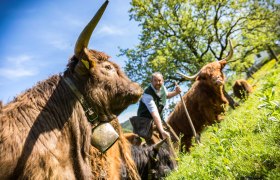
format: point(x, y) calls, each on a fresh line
point(149, 102)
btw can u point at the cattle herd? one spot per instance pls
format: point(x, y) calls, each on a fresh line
point(45, 132)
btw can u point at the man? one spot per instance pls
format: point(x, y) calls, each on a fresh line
point(153, 101)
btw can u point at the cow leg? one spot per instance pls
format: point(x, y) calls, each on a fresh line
point(186, 143)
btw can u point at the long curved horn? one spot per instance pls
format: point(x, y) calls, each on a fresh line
point(229, 56)
point(188, 77)
point(85, 35)
point(159, 144)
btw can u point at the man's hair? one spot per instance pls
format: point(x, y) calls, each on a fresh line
point(156, 74)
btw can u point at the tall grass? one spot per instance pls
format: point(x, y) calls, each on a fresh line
point(246, 145)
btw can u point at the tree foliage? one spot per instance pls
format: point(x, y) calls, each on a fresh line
point(186, 34)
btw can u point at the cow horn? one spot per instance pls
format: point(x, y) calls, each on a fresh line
point(229, 56)
point(159, 144)
point(188, 77)
point(85, 35)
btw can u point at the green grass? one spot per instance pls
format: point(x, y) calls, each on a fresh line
point(246, 145)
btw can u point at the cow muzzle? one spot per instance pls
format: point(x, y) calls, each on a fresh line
point(103, 136)
point(218, 80)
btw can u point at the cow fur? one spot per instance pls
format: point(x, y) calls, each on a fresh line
point(133, 139)
point(44, 133)
point(242, 89)
point(205, 102)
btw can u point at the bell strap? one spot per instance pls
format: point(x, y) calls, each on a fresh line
point(90, 114)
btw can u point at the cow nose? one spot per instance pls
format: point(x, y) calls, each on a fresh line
point(218, 80)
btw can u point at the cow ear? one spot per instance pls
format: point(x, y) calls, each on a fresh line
point(223, 63)
point(88, 61)
point(85, 63)
point(158, 145)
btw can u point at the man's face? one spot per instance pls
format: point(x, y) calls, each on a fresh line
point(157, 82)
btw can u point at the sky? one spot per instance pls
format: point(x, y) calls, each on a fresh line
point(38, 37)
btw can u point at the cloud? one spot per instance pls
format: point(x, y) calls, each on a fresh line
point(16, 73)
point(16, 67)
point(60, 44)
point(110, 30)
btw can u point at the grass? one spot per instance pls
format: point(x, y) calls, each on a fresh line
point(246, 145)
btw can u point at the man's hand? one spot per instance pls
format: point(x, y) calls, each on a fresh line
point(165, 134)
point(178, 89)
point(158, 123)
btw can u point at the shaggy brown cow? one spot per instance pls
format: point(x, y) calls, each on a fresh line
point(45, 132)
point(242, 89)
point(205, 102)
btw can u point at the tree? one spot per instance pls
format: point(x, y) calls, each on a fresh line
point(186, 34)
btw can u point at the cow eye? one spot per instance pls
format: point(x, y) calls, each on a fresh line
point(108, 67)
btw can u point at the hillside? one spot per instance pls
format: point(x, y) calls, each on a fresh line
point(126, 126)
point(246, 144)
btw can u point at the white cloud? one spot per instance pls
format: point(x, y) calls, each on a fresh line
point(16, 72)
point(18, 60)
point(16, 67)
point(110, 30)
point(60, 44)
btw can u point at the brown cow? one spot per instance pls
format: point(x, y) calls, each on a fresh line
point(45, 132)
point(242, 89)
point(205, 102)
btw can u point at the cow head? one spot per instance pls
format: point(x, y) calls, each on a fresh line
point(162, 160)
point(98, 79)
point(212, 73)
point(242, 89)
point(155, 161)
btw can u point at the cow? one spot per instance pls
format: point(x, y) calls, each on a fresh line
point(153, 161)
point(45, 132)
point(242, 89)
point(205, 102)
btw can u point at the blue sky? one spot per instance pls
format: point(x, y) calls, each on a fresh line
point(38, 37)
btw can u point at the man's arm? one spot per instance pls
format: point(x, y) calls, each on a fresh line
point(158, 123)
point(151, 105)
point(174, 93)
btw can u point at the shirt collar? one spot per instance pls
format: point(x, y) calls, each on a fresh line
point(157, 91)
